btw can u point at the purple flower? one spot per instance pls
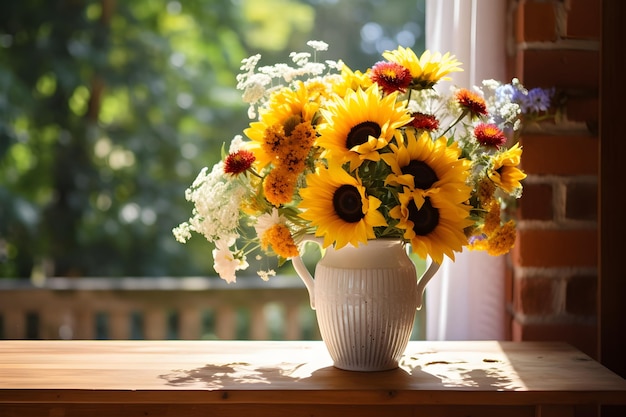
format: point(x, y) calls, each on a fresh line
point(535, 100)
point(477, 238)
point(505, 93)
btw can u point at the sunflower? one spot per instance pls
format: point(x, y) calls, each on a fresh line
point(505, 172)
point(426, 70)
point(432, 223)
point(359, 125)
point(423, 163)
point(351, 80)
point(337, 205)
point(433, 209)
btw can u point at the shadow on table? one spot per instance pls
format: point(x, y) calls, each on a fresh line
point(434, 375)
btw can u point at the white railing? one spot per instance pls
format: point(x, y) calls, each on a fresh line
point(156, 308)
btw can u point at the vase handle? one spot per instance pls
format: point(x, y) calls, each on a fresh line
point(423, 281)
point(304, 273)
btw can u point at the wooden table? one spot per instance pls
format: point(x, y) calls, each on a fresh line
point(252, 378)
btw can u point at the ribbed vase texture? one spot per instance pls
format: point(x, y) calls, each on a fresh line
point(366, 299)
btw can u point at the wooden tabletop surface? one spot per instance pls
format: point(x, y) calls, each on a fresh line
point(298, 372)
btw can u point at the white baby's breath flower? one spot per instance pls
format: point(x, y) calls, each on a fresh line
point(318, 45)
point(226, 262)
point(250, 63)
point(265, 275)
point(510, 112)
point(254, 87)
point(335, 65)
point(300, 58)
point(216, 198)
point(274, 71)
point(236, 144)
point(253, 93)
point(182, 232)
point(315, 68)
point(491, 84)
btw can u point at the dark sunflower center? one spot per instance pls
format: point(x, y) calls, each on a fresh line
point(291, 123)
point(423, 174)
point(347, 204)
point(424, 220)
point(360, 133)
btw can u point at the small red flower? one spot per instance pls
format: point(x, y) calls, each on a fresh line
point(422, 121)
point(471, 102)
point(391, 76)
point(238, 162)
point(488, 134)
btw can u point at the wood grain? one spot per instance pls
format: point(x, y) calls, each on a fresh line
point(73, 377)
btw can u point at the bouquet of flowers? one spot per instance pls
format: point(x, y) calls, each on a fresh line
point(350, 156)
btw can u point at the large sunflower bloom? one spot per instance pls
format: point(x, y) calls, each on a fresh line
point(426, 70)
point(433, 225)
point(423, 163)
point(359, 125)
point(336, 204)
point(505, 172)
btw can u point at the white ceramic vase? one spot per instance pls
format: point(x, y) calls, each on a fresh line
point(365, 299)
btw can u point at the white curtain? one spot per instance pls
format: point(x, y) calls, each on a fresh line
point(465, 300)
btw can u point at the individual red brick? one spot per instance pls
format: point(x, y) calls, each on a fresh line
point(535, 296)
point(559, 155)
point(552, 248)
point(536, 202)
point(582, 296)
point(581, 336)
point(583, 109)
point(536, 22)
point(584, 19)
point(581, 201)
point(561, 68)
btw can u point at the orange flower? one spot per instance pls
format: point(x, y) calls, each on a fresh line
point(279, 238)
point(391, 77)
point(279, 186)
point(488, 134)
point(471, 102)
point(423, 121)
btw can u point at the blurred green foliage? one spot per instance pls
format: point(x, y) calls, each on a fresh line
point(108, 109)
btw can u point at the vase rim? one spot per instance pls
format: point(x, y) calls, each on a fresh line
point(382, 240)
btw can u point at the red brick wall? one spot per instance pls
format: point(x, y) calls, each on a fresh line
point(553, 276)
